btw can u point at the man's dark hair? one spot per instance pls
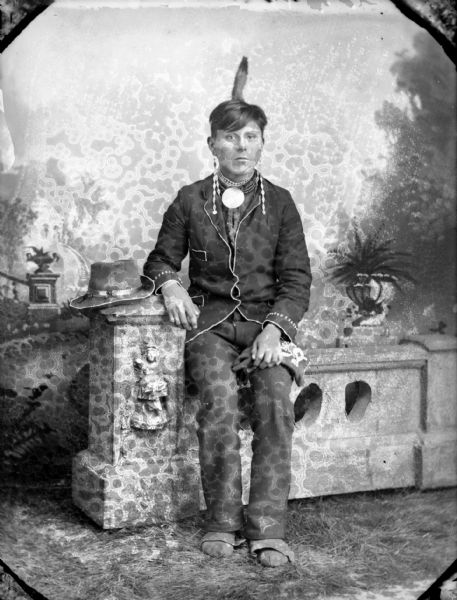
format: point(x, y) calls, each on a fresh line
point(235, 114)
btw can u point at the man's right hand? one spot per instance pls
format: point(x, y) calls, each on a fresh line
point(181, 310)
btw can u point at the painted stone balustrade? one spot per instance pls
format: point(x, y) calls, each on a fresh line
point(368, 418)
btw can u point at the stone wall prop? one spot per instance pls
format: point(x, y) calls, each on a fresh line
point(438, 441)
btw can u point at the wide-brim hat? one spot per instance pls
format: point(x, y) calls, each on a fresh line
point(111, 283)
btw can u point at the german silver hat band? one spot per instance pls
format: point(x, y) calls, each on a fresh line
point(111, 293)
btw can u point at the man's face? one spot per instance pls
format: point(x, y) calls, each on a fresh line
point(239, 151)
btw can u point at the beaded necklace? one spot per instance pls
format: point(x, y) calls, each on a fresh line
point(229, 183)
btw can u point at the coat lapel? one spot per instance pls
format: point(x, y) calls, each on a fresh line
point(217, 220)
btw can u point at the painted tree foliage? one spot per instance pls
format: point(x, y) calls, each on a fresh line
point(16, 218)
point(415, 195)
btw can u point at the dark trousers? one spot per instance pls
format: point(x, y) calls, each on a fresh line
point(209, 358)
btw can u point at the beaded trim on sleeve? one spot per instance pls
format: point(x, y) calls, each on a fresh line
point(167, 272)
point(282, 317)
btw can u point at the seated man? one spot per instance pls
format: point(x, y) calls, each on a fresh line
point(249, 287)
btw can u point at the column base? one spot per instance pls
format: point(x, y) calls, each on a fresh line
point(439, 459)
point(140, 493)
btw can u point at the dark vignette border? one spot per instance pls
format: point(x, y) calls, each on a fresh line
point(15, 15)
point(438, 17)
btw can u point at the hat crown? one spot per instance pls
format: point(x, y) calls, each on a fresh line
point(112, 276)
point(111, 283)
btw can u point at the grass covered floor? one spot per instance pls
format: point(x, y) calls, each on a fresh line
point(343, 544)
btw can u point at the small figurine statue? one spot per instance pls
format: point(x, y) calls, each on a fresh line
point(152, 389)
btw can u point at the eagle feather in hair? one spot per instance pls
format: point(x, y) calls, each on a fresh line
point(240, 80)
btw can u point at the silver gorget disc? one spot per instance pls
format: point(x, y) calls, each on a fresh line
point(232, 198)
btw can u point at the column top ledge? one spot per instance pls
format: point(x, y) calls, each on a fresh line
point(432, 342)
point(414, 347)
point(148, 307)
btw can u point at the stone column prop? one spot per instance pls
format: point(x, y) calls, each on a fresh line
point(439, 433)
point(141, 466)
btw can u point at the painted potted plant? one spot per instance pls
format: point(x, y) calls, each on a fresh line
point(371, 269)
point(42, 259)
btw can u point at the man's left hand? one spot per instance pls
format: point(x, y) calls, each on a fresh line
point(266, 349)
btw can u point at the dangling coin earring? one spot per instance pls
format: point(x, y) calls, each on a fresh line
point(262, 194)
point(215, 191)
point(215, 184)
point(262, 191)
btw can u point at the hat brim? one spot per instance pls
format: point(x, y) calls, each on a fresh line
point(88, 301)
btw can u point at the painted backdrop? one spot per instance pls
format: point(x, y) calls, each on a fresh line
point(105, 116)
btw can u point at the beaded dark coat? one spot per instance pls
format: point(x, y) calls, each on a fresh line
point(266, 275)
